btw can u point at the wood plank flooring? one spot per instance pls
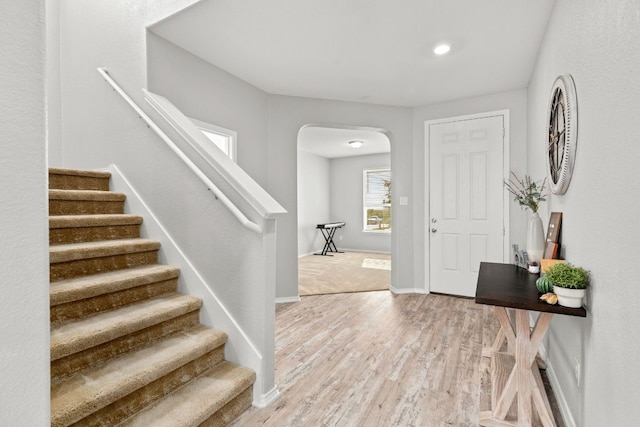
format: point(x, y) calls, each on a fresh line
point(379, 359)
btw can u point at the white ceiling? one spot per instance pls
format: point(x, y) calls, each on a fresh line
point(375, 51)
point(370, 51)
point(333, 142)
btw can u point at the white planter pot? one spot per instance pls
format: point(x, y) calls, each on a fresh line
point(569, 297)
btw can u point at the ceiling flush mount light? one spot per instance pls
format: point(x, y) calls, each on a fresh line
point(442, 49)
point(355, 144)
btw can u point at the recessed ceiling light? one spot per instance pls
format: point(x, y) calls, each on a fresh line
point(355, 144)
point(442, 49)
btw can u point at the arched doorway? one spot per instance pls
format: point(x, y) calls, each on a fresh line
point(344, 176)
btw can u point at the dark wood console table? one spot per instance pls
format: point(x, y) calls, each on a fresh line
point(514, 373)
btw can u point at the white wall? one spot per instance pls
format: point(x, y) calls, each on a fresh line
point(207, 93)
point(598, 43)
point(24, 256)
point(516, 103)
point(287, 116)
point(346, 202)
point(53, 87)
point(314, 201)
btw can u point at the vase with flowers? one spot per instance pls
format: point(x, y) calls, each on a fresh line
point(529, 193)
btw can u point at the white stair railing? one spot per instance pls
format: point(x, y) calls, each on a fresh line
point(267, 209)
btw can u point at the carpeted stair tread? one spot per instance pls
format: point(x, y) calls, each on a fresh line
point(79, 172)
point(88, 391)
point(124, 345)
point(79, 335)
point(76, 289)
point(90, 195)
point(103, 248)
point(96, 220)
point(196, 401)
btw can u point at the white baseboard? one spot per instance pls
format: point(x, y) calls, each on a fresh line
point(285, 300)
point(364, 251)
point(567, 416)
point(400, 291)
point(267, 399)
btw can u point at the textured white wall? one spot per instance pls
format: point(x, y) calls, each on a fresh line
point(53, 87)
point(207, 93)
point(24, 256)
point(346, 202)
point(314, 200)
point(598, 43)
point(516, 103)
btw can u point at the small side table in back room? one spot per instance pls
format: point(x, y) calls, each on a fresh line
point(514, 373)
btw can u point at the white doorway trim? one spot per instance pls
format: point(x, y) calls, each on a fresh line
point(505, 175)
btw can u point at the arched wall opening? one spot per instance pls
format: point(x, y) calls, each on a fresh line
point(344, 176)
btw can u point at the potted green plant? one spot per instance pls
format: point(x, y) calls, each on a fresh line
point(569, 283)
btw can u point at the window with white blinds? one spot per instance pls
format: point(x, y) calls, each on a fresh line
point(377, 200)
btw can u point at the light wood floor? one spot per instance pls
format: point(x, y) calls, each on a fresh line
point(378, 359)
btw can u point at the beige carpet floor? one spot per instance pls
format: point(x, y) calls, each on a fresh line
point(344, 272)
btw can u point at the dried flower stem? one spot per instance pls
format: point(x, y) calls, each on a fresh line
point(526, 191)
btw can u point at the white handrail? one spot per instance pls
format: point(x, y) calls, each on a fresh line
point(261, 201)
point(210, 185)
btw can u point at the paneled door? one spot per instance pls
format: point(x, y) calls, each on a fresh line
point(466, 201)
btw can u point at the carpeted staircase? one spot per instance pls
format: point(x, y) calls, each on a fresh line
point(126, 348)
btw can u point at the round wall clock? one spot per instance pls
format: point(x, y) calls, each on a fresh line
point(562, 133)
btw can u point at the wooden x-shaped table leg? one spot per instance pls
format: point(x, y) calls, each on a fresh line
point(515, 374)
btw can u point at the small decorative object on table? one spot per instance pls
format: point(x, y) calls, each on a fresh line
point(569, 283)
point(555, 224)
point(544, 285)
point(529, 193)
point(533, 267)
point(520, 257)
point(545, 264)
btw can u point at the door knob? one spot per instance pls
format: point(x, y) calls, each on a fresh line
point(434, 220)
point(433, 230)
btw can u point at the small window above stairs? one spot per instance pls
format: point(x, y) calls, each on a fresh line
point(126, 347)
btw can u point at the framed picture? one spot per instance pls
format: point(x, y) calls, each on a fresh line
point(553, 231)
point(551, 250)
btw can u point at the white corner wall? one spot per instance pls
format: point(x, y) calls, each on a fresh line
point(598, 43)
point(24, 255)
point(346, 202)
point(314, 200)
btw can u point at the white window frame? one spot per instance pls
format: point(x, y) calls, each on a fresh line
point(365, 207)
point(219, 130)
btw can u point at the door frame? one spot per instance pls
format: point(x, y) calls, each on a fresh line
point(427, 189)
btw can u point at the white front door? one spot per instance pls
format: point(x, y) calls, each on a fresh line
point(466, 201)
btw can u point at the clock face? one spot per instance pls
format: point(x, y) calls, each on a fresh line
point(562, 132)
point(556, 135)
